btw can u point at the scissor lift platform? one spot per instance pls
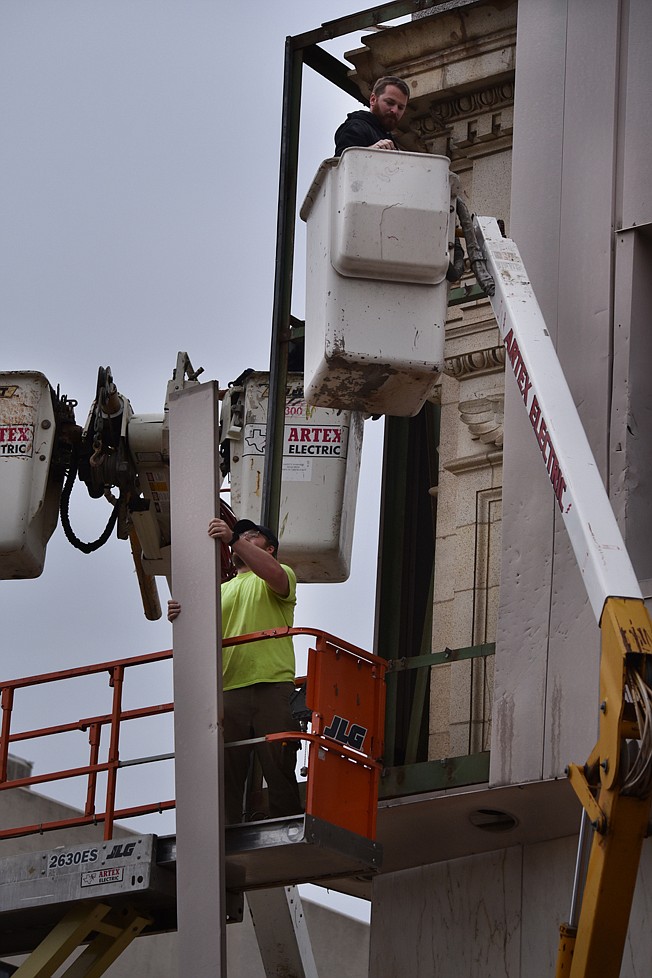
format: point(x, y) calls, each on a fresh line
point(299, 849)
point(38, 888)
point(287, 851)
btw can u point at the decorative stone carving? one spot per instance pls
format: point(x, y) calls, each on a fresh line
point(484, 417)
point(468, 124)
point(447, 111)
point(476, 362)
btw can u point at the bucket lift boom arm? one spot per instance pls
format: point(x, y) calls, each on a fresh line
point(615, 785)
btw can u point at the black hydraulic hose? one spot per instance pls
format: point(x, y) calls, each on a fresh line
point(87, 548)
point(456, 266)
point(478, 264)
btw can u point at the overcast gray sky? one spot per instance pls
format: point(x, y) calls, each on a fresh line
point(138, 192)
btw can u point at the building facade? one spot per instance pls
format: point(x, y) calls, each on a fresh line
point(540, 106)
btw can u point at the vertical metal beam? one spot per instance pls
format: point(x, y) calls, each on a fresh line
point(197, 662)
point(7, 700)
point(117, 679)
point(421, 682)
point(287, 206)
point(405, 568)
point(389, 582)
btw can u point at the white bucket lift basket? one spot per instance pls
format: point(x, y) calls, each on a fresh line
point(29, 510)
point(321, 464)
point(379, 228)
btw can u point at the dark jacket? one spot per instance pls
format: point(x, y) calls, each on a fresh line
point(361, 128)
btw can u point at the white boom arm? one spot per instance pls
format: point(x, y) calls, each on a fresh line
point(615, 785)
point(580, 493)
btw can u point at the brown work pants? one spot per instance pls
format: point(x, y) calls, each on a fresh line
point(253, 711)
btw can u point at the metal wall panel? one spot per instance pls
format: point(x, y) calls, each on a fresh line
point(528, 504)
point(635, 143)
point(584, 347)
point(564, 186)
point(631, 424)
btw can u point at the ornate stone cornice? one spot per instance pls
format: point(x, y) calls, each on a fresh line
point(468, 125)
point(443, 114)
point(477, 362)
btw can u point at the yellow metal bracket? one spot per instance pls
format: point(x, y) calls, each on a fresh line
point(580, 786)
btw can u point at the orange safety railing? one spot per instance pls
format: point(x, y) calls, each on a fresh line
point(345, 692)
point(94, 725)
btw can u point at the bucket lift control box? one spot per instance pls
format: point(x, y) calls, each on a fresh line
point(321, 465)
point(380, 226)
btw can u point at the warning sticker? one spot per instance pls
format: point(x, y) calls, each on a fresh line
point(17, 440)
point(297, 470)
point(157, 487)
point(103, 876)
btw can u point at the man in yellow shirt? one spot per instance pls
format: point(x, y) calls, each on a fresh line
point(258, 676)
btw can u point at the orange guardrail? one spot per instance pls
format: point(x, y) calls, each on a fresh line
point(345, 692)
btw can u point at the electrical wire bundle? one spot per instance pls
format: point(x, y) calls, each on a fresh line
point(638, 780)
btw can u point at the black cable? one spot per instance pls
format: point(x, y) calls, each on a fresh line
point(87, 548)
point(478, 264)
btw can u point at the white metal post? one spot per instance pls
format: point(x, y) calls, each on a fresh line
point(198, 716)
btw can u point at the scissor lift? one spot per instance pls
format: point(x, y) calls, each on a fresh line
point(106, 893)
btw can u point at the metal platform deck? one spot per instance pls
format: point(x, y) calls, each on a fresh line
point(38, 888)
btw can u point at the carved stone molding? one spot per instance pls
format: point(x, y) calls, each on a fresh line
point(468, 124)
point(478, 362)
point(484, 417)
point(442, 114)
point(475, 463)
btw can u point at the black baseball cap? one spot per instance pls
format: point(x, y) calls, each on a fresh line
point(242, 526)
